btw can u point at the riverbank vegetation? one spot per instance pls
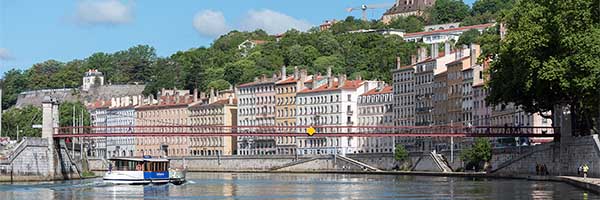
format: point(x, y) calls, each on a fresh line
point(478, 155)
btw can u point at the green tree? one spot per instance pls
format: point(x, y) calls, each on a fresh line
point(322, 63)
point(70, 75)
point(242, 71)
point(21, 119)
point(550, 57)
point(468, 37)
point(133, 64)
point(66, 114)
point(165, 74)
point(491, 6)
point(478, 154)
point(400, 153)
point(14, 82)
point(219, 84)
point(39, 76)
point(448, 11)
point(410, 24)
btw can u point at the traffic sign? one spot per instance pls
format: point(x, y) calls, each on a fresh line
point(310, 131)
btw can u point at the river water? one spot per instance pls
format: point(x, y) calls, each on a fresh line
point(301, 186)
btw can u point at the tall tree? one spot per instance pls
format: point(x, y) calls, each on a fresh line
point(448, 11)
point(410, 24)
point(550, 57)
point(40, 75)
point(66, 114)
point(468, 37)
point(14, 82)
point(21, 119)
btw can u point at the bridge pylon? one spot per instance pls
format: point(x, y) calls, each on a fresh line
point(50, 118)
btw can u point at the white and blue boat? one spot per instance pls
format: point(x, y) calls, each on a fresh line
point(136, 171)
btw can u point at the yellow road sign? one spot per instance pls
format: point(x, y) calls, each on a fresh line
point(310, 131)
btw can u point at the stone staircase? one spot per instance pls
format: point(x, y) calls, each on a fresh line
point(535, 149)
point(440, 161)
point(357, 163)
point(297, 162)
point(65, 159)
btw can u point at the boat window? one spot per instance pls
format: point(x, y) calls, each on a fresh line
point(127, 165)
point(156, 166)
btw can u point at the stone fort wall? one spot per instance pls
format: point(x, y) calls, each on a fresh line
point(75, 94)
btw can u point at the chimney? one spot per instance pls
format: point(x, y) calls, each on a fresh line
point(398, 63)
point(195, 94)
point(342, 80)
point(413, 59)
point(358, 77)
point(300, 81)
point(274, 77)
point(422, 54)
point(162, 91)
point(296, 73)
point(434, 50)
point(230, 98)
point(113, 102)
point(127, 101)
point(211, 95)
point(136, 100)
point(379, 85)
point(202, 95)
point(283, 73)
point(329, 81)
point(329, 71)
point(474, 53)
point(447, 48)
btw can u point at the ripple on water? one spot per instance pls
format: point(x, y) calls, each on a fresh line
point(298, 186)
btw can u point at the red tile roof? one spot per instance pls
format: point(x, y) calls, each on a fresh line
point(457, 61)
point(349, 84)
point(286, 81)
point(216, 103)
point(449, 30)
point(255, 83)
point(168, 102)
point(385, 90)
point(259, 41)
point(99, 104)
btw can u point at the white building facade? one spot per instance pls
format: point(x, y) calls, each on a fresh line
point(375, 109)
point(333, 103)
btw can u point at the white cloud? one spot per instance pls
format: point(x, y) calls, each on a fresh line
point(4, 54)
point(109, 12)
point(210, 23)
point(272, 22)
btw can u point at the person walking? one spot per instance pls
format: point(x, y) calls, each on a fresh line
point(585, 170)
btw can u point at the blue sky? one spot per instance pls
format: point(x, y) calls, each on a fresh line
point(35, 31)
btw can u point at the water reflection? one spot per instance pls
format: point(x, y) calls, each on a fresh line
point(293, 186)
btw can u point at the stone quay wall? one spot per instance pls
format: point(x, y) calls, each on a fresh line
point(29, 162)
point(561, 159)
point(382, 161)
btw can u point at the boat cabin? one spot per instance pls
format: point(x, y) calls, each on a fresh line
point(138, 170)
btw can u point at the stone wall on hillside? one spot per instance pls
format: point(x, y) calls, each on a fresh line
point(106, 92)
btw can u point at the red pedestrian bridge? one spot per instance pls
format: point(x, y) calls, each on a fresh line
point(319, 131)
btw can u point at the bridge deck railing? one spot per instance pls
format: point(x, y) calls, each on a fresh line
point(359, 131)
